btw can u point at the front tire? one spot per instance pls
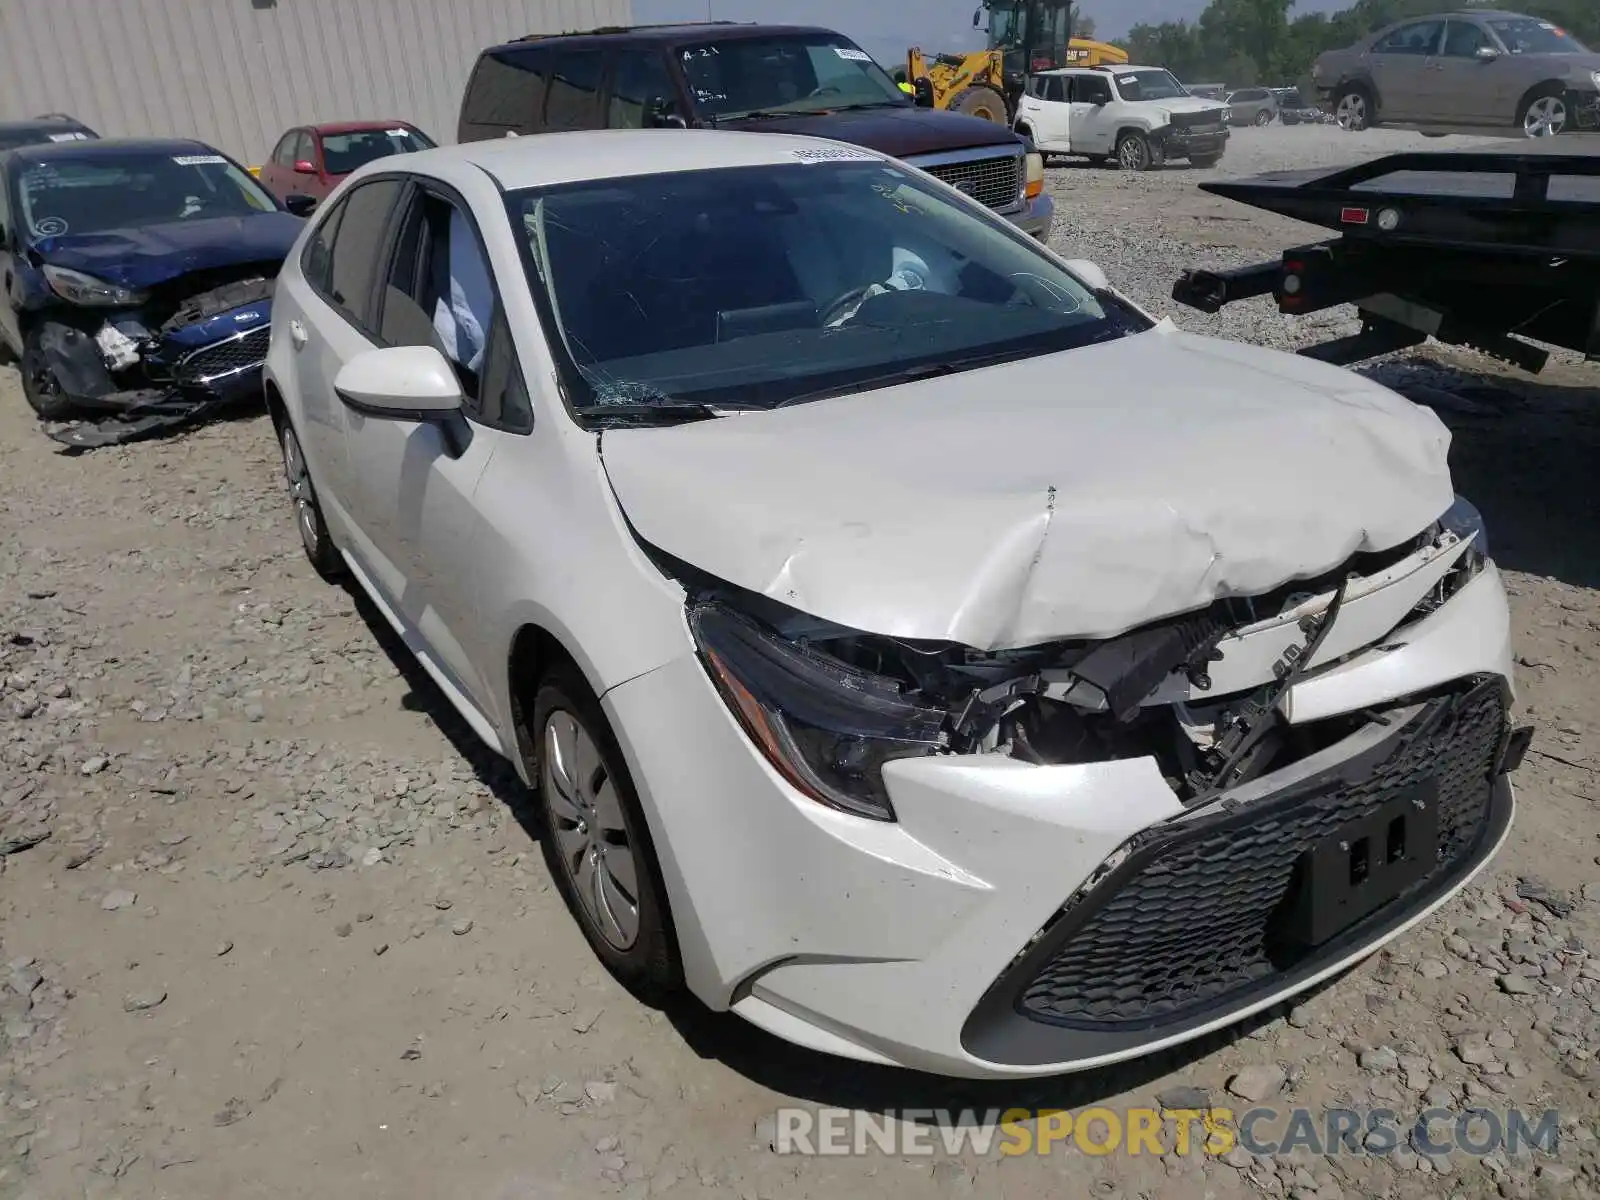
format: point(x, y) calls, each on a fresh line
point(982, 102)
point(323, 555)
point(1544, 114)
point(40, 386)
point(1263, 118)
point(1134, 152)
point(1354, 110)
point(595, 839)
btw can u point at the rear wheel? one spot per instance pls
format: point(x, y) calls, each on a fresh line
point(39, 383)
point(982, 102)
point(1353, 111)
point(1544, 114)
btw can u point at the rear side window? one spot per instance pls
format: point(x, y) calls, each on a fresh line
point(573, 92)
point(506, 94)
point(356, 247)
point(317, 257)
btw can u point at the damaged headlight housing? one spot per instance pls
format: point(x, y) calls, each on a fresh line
point(825, 726)
point(1465, 521)
point(77, 288)
point(1033, 180)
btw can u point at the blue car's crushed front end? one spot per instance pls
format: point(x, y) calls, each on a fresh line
point(192, 346)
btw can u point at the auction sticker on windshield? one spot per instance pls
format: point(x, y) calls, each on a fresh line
point(69, 137)
point(817, 154)
point(199, 160)
point(852, 55)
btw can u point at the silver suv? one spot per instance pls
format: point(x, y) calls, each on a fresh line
point(1480, 68)
point(1252, 106)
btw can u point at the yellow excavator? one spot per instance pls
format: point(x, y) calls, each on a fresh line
point(1024, 36)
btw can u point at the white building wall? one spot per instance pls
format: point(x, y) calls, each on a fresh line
point(236, 73)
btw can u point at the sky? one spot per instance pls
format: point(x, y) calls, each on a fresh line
point(886, 28)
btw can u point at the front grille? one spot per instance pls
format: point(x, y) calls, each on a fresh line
point(225, 359)
point(1198, 920)
point(996, 181)
point(1202, 122)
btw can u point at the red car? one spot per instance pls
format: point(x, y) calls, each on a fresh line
point(312, 160)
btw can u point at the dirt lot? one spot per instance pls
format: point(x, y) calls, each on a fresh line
point(272, 925)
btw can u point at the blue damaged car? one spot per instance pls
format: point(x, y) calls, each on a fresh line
point(136, 283)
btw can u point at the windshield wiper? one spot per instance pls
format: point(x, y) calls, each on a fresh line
point(672, 412)
point(764, 114)
point(903, 375)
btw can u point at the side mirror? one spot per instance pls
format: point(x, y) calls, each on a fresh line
point(1089, 273)
point(1487, 54)
point(305, 167)
point(400, 383)
point(300, 205)
point(923, 90)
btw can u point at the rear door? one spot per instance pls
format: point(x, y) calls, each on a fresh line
point(415, 480)
point(1046, 110)
point(276, 170)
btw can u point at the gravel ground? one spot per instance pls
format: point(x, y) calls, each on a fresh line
point(272, 926)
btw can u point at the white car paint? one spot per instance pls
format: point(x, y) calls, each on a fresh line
point(1072, 126)
point(1073, 495)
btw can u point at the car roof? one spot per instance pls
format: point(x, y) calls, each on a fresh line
point(1102, 69)
point(671, 34)
point(67, 123)
point(354, 126)
point(93, 147)
point(546, 159)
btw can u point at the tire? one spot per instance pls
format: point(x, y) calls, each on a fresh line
point(323, 555)
point(982, 102)
point(1263, 118)
point(1355, 110)
point(1543, 113)
point(39, 385)
point(593, 788)
point(1134, 152)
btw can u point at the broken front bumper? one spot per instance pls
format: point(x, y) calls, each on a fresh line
point(1018, 919)
point(189, 375)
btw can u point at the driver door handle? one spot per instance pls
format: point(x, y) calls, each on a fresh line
point(297, 335)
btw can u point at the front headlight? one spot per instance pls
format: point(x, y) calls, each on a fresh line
point(1465, 521)
point(77, 288)
point(825, 726)
point(1033, 185)
point(1594, 78)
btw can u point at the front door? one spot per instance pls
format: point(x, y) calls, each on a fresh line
point(1093, 129)
point(1402, 68)
point(414, 481)
point(1462, 87)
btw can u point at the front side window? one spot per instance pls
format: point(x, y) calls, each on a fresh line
point(439, 290)
point(798, 73)
point(283, 156)
point(1150, 85)
point(574, 91)
point(1420, 38)
point(642, 93)
point(130, 189)
point(1463, 39)
point(1528, 35)
point(316, 260)
point(753, 287)
point(1091, 89)
point(343, 153)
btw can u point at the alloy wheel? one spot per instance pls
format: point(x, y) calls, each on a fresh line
point(1133, 154)
point(1352, 112)
point(300, 491)
point(591, 834)
point(1546, 117)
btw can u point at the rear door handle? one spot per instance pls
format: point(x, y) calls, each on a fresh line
point(297, 335)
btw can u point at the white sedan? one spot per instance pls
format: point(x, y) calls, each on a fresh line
point(917, 649)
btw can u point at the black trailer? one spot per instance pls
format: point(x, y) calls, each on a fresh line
point(1492, 250)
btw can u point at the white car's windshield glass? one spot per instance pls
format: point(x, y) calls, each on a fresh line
point(1149, 85)
point(1525, 35)
point(755, 286)
point(800, 73)
point(126, 190)
point(343, 153)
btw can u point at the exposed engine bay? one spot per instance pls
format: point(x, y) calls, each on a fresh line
point(1200, 693)
point(193, 349)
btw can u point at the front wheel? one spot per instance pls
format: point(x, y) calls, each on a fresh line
point(1263, 118)
point(1353, 112)
point(595, 839)
point(39, 383)
point(1544, 115)
point(1134, 152)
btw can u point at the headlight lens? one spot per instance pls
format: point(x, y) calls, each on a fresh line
point(78, 288)
point(1594, 78)
point(1465, 521)
point(826, 727)
point(1034, 185)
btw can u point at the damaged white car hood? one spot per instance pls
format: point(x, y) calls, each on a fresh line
point(1076, 495)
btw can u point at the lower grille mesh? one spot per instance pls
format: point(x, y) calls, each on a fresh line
point(232, 357)
point(1194, 923)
